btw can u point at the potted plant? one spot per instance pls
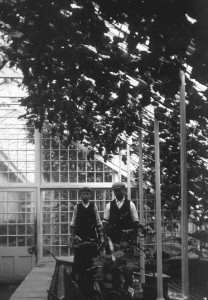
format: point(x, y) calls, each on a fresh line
point(119, 268)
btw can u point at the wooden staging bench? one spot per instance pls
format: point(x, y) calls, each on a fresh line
point(175, 286)
point(38, 281)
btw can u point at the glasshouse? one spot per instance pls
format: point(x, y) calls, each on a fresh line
point(104, 149)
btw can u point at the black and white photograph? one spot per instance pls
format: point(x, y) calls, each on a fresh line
point(104, 150)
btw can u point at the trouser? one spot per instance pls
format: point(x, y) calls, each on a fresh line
point(82, 262)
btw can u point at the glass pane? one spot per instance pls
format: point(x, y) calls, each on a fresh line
point(73, 177)
point(3, 217)
point(46, 239)
point(55, 217)
point(99, 195)
point(81, 166)
point(55, 177)
point(3, 229)
point(72, 155)
point(108, 177)
point(21, 218)
point(46, 143)
point(107, 169)
point(64, 217)
point(55, 239)
point(46, 155)
point(64, 195)
point(82, 177)
point(46, 177)
point(63, 155)
point(12, 218)
point(46, 229)
point(55, 166)
point(12, 230)
point(90, 177)
point(73, 195)
point(21, 241)
point(64, 177)
point(54, 144)
point(90, 166)
point(64, 206)
point(64, 228)
point(108, 195)
point(55, 251)
point(99, 177)
point(12, 241)
point(55, 229)
point(64, 240)
point(21, 230)
point(30, 240)
point(3, 241)
point(81, 155)
point(72, 166)
point(99, 166)
point(64, 166)
point(55, 206)
point(46, 166)
point(30, 229)
point(46, 217)
point(54, 155)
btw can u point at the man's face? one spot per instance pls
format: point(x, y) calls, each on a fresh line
point(120, 193)
point(85, 196)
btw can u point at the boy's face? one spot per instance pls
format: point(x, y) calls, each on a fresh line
point(119, 193)
point(85, 196)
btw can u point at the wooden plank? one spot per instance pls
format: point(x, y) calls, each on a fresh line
point(36, 284)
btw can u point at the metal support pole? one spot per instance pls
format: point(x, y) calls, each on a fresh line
point(38, 142)
point(119, 172)
point(141, 208)
point(158, 213)
point(184, 204)
point(128, 173)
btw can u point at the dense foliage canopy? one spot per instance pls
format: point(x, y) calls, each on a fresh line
point(91, 67)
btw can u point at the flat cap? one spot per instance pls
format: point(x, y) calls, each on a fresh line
point(118, 185)
point(85, 189)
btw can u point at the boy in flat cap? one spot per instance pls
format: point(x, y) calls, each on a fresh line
point(85, 227)
point(120, 214)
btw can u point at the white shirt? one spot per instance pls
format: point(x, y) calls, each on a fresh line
point(133, 210)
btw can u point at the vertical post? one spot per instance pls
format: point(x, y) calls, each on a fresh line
point(141, 208)
point(158, 213)
point(128, 173)
point(38, 138)
point(184, 205)
point(119, 172)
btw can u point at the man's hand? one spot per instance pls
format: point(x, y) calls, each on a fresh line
point(74, 240)
point(101, 239)
point(77, 239)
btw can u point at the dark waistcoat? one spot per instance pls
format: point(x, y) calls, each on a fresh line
point(86, 221)
point(120, 218)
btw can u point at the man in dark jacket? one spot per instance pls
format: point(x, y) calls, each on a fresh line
point(121, 217)
point(85, 228)
point(120, 214)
